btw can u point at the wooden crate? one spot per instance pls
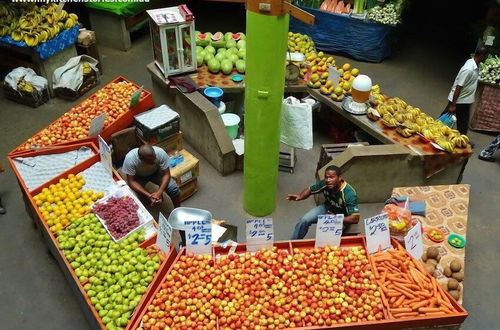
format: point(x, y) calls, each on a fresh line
point(89, 81)
point(33, 100)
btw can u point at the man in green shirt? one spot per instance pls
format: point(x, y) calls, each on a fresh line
point(340, 198)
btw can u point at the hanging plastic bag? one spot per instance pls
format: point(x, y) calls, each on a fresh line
point(70, 75)
point(448, 119)
point(296, 124)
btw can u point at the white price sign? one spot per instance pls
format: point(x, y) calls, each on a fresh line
point(198, 237)
point(105, 153)
point(329, 230)
point(260, 234)
point(164, 233)
point(377, 233)
point(413, 241)
point(333, 75)
point(96, 125)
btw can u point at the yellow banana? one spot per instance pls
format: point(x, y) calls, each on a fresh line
point(69, 23)
point(73, 17)
point(17, 35)
point(63, 14)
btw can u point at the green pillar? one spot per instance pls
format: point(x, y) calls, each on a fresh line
point(264, 87)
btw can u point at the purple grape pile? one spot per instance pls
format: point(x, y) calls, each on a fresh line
point(119, 215)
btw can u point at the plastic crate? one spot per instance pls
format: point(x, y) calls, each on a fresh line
point(125, 120)
point(89, 81)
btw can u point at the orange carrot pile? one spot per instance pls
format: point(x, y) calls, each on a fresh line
point(407, 290)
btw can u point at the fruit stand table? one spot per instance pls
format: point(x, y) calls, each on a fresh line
point(446, 209)
point(397, 160)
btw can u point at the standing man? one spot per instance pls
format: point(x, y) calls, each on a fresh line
point(464, 88)
point(150, 164)
point(340, 198)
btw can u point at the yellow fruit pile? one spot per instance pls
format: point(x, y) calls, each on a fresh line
point(410, 120)
point(301, 43)
point(63, 201)
point(32, 24)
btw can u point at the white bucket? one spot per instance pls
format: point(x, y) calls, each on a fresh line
point(231, 121)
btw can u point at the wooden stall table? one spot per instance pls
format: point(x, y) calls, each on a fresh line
point(446, 209)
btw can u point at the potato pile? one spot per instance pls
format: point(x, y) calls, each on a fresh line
point(453, 270)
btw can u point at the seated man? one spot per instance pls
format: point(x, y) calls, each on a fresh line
point(340, 198)
point(150, 164)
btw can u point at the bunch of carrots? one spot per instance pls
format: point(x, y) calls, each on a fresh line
point(407, 290)
point(335, 6)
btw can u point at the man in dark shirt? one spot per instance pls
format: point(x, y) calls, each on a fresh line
point(340, 198)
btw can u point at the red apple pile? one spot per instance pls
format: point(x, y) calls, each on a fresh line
point(119, 215)
point(270, 290)
point(113, 99)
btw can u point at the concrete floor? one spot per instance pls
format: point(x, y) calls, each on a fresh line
point(34, 293)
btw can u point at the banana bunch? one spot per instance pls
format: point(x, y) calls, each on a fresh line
point(405, 131)
point(372, 114)
point(446, 144)
point(24, 86)
point(87, 69)
point(460, 141)
point(376, 96)
point(32, 24)
point(389, 121)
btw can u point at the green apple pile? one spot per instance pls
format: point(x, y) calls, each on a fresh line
point(221, 52)
point(115, 275)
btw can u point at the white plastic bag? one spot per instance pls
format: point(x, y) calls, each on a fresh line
point(38, 83)
point(70, 75)
point(296, 124)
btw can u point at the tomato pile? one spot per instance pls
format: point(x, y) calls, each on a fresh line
point(113, 99)
point(270, 290)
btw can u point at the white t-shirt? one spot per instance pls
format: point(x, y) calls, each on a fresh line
point(467, 78)
point(132, 165)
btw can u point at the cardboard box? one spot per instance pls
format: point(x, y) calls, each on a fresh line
point(188, 170)
point(171, 144)
point(188, 189)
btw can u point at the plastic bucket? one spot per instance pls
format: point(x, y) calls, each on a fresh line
point(231, 121)
point(214, 94)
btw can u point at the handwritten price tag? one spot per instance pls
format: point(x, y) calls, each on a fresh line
point(164, 233)
point(96, 125)
point(260, 234)
point(136, 96)
point(199, 237)
point(329, 230)
point(413, 241)
point(377, 233)
point(105, 153)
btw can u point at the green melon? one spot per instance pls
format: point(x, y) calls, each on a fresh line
point(226, 66)
point(210, 49)
point(213, 65)
point(241, 44)
point(208, 57)
point(240, 66)
point(231, 43)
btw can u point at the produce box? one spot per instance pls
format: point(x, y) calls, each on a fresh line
point(33, 100)
point(144, 218)
point(172, 143)
point(157, 124)
point(188, 189)
point(188, 170)
point(306, 269)
point(89, 81)
point(74, 124)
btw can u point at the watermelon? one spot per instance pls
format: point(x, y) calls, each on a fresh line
point(210, 49)
point(233, 50)
point(218, 40)
point(220, 57)
point(242, 36)
point(221, 50)
point(230, 43)
point(226, 66)
point(199, 49)
point(213, 65)
point(242, 44)
point(228, 36)
point(199, 60)
point(208, 57)
point(240, 66)
point(242, 53)
point(233, 58)
point(202, 40)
